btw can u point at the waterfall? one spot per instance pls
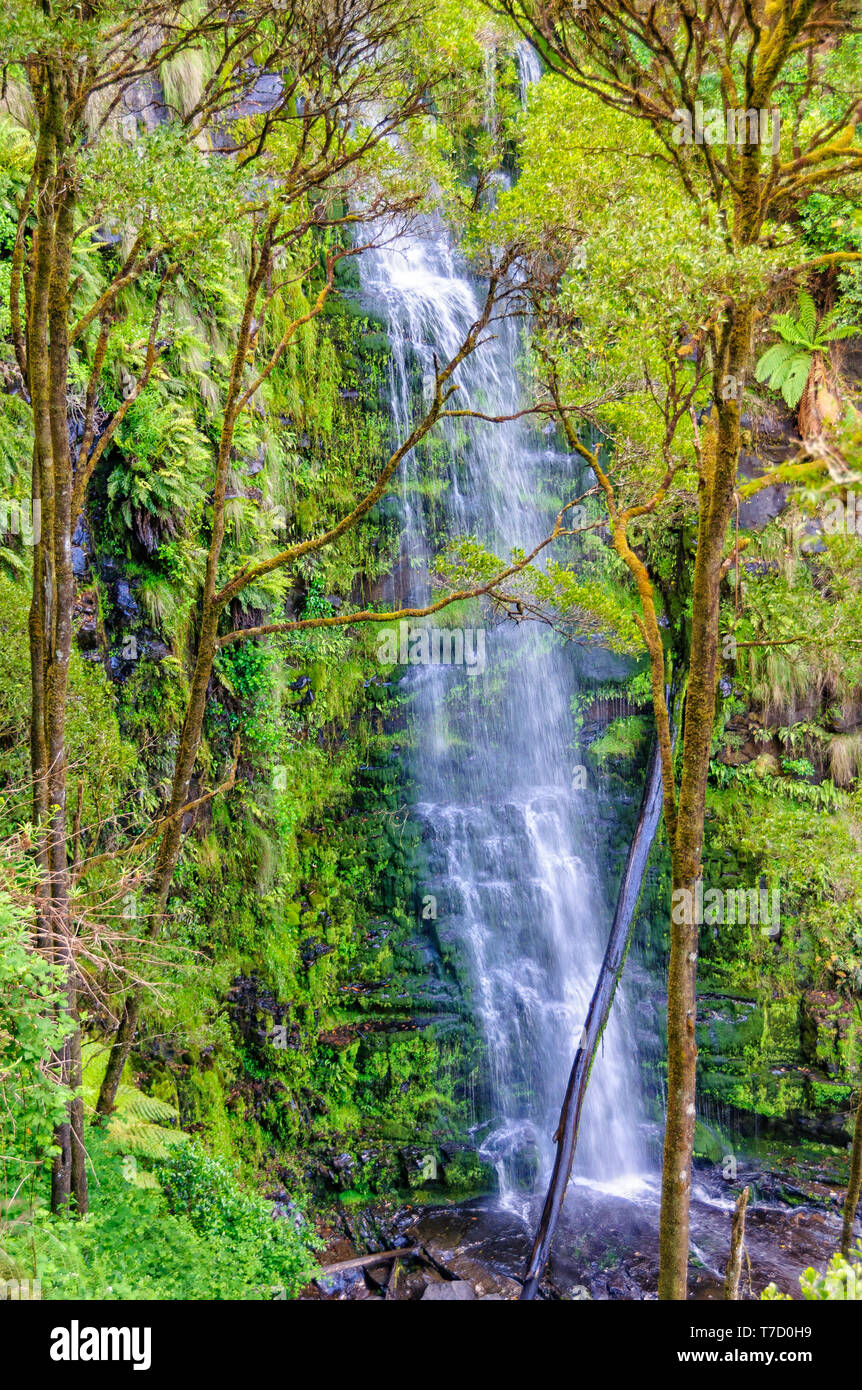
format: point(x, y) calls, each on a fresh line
point(514, 854)
point(529, 67)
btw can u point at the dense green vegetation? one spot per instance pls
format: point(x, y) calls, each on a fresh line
point(303, 1036)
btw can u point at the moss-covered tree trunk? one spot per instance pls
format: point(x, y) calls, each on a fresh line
point(854, 1184)
point(47, 289)
point(169, 845)
point(718, 465)
point(159, 886)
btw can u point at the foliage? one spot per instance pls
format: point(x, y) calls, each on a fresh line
point(840, 1281)
point(164, 463)
point(621, 739)
point(134, 1244)
point(32, 1023)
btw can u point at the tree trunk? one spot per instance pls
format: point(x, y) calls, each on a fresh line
point(47, 289)
point(120, 1049)
point(718, 467)
point(737, 1246)
point(854, 1184)
point(679, 1119)
point(169, 845)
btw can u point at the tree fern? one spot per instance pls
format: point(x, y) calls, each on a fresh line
point(137, 1106)
point(795, 377)
point(786, 365)
point(774, 358)
point(142, 1139)
point(141, 1126)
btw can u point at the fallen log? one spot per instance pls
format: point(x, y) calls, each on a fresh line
point(377, 1257)
point(566, 1137)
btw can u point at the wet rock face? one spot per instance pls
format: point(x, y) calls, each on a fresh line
point(349, 1283)
point(312, 950)
point(258, 1016)
point(420, 1165)
point(606, 1246)
point(87, 616)
point(526, 1163)
point(427, 1272)
point(82, 549)
point(475, 1243)
point(125, 600)
point(764, 506)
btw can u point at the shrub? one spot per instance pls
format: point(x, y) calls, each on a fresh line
point(841, 1279)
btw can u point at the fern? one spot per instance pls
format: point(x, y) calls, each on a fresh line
point(794, 379)
point(773, 359)
point(141, 1126)
point(150, 1109)
point(143, 1140)
point(786, 365)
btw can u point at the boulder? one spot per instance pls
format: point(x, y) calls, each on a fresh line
point(454, 1291)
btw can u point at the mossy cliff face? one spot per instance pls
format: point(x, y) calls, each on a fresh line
point(306, 1022)
point(773, 1058)
point(779, 1041)
point(305, 1018)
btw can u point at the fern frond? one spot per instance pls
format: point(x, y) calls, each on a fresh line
point(144, 1178)
point(143, 1139)
point(794, 382)
point(789, 329)
point(141, 1107)
point(843, 330)
point(807, 314)
point(773, 358)
point(9, 558)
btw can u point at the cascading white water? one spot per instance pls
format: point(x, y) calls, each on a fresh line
point(529, 68)
point(512, 851)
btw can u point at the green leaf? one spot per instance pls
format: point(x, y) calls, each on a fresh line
point(788, 327)
point(773, 358)
point(795, 379)
point(807, 314)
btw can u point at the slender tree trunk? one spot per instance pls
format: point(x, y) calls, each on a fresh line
point(171, 839)
point(80, 1187)
point(61, 1169)
point(59, 658)
point(719, 462)
point(52, 603)
point(169, 845)
point(737, 1246)
point(167, 856)
point(679, 1119)
point(42, 493)
point(854, 1184)
point(120, 1049)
